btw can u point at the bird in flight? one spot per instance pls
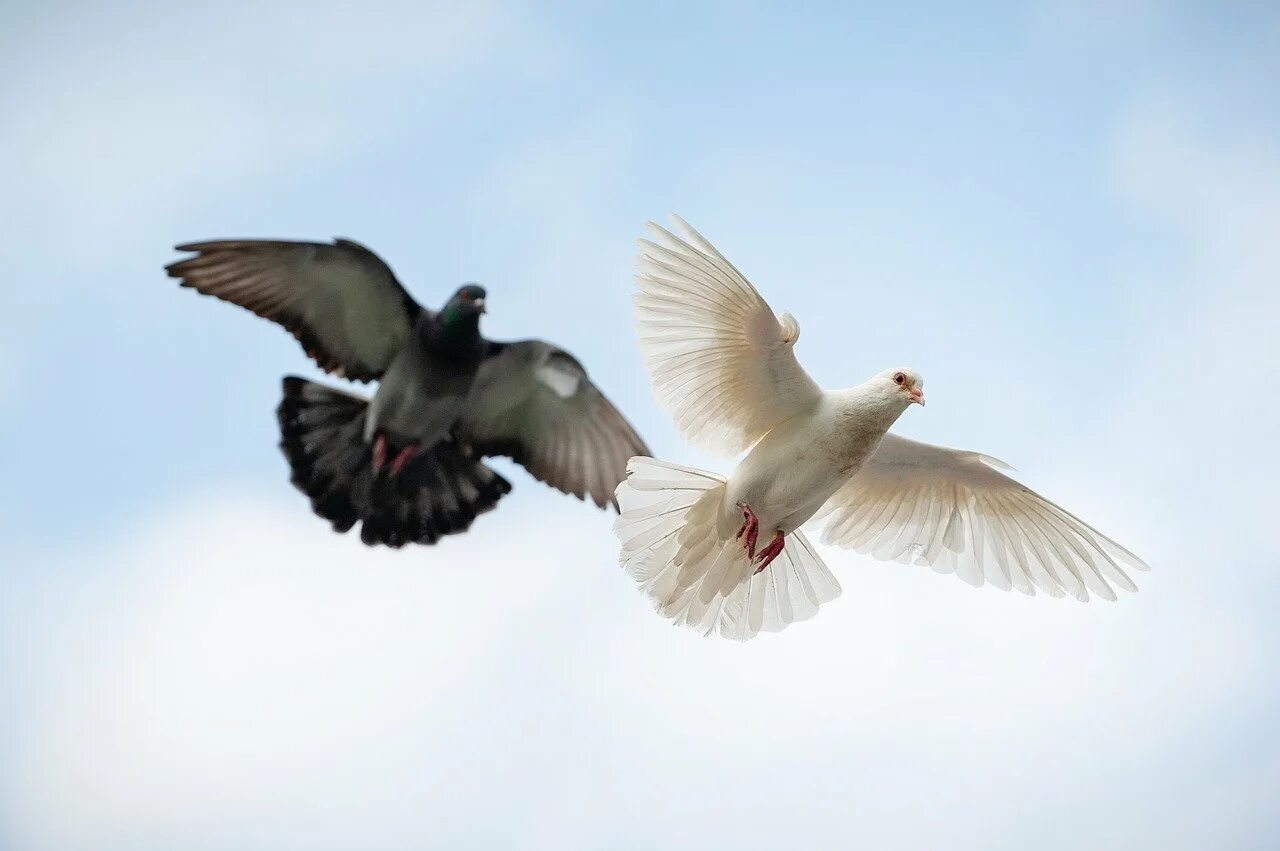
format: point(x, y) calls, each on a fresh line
point(726, 555)
point(407, 463)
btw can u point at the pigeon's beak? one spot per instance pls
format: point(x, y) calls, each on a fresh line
point(479, 303)
point(917, 395)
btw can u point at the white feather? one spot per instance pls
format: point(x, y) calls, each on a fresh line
point(713, 589)
point(1016, 538)
point(563, 381)
point(722, 363)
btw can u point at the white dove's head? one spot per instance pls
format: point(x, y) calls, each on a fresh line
point(902, 384)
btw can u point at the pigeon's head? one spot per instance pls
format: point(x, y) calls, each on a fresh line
point(466, 303)
point(902, 384)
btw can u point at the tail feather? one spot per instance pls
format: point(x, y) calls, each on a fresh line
point(440, 492)
point(320, 435)
point(671, 546)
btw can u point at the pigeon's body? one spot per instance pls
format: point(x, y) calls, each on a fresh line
point(427, 383)
point(723, 363)
point(406, 464)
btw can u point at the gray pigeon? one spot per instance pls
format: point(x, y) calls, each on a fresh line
point(407, 464)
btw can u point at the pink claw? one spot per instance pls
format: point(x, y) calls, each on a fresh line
point(772, 551)
point(379, 453)
point(403, 458)
point(751, 527)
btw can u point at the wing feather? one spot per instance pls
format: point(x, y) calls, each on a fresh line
point(533, 402)
point(721, 362)
point(954, 511)
point(340, 300)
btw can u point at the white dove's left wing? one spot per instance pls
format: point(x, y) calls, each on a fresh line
point(953, 511)
point(721, 362)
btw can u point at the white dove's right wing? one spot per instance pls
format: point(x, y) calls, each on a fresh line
point(721, 362)
point(953, 511)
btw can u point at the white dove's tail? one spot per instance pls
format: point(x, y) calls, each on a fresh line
point(696, 576)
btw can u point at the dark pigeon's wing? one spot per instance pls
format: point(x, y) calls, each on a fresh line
point(534, 402)
point(340, 300)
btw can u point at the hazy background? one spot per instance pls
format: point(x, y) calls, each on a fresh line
point(1066, 217)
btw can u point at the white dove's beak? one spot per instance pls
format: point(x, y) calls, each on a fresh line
point(479, 303)
point(917, 395)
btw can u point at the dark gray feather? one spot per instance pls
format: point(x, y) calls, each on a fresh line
point(533, 402)
point(341, 301)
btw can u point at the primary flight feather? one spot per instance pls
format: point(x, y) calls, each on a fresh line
point(725, 555)
point(406, 464)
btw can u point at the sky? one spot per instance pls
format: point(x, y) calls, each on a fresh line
point(1063, 215)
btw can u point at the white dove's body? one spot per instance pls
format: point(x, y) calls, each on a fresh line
point(795, 468)
point(723, 364)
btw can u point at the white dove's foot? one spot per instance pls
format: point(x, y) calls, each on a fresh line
point(772, 551)
point(379, 453)
point(750, 527)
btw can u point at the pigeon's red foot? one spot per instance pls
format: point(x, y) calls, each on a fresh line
point(750, 528)
point(379, 453)
point(403, 458)
point(772, 551)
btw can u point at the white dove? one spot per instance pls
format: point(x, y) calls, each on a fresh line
point(723, 364)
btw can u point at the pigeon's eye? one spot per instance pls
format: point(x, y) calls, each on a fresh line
point(899, 379)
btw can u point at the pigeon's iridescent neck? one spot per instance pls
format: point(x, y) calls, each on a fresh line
point(457, 331)
point(456, 316)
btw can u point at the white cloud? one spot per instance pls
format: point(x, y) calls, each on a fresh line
point(138, 106)
point(231, 672)
point(233, 653)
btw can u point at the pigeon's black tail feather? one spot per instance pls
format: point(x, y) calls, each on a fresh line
point(322, 436)
point(438, 493)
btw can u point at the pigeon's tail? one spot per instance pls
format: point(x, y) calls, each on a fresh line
point(439, 492)
point(672, 546)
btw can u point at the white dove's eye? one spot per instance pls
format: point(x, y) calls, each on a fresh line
point(899, 379)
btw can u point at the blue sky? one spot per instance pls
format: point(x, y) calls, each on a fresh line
point(1063, 215)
